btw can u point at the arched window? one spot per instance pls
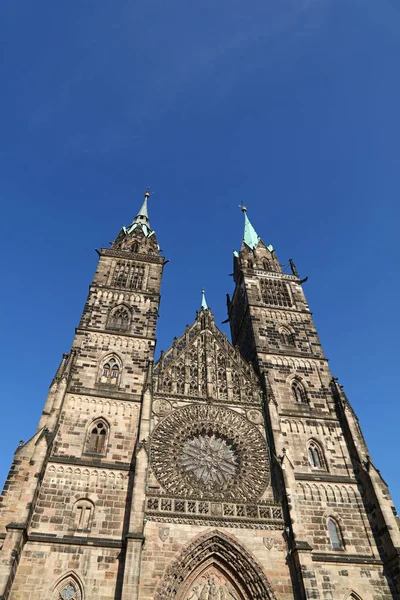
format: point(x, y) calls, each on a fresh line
point(137, 280)
point(97, 440)
point(119, 319)
point(315, 456)
point(68, 589)
point(222, 386)
point(69, 592)
point(298, 392)
point(286, 337)
point(249, 264)
point(267, 264)
point(167, 384)
point(334, 535)
point(135, 247)
point(111, 372)
point(84, 510)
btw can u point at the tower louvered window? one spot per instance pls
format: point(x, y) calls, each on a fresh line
point(137, 278)
point(275, 293)
point(129, 275)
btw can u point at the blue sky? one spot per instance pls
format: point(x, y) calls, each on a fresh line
point(288, 105)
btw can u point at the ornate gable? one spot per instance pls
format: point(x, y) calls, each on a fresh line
point(202, 364)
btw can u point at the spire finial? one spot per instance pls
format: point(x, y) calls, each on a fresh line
point(243, 208)
point(142, 218)
point(203, 300)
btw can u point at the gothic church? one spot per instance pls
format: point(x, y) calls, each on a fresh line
point(224, 471)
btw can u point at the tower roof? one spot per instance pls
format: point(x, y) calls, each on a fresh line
point(141, 220)
point(204, 304)
point(250, 235)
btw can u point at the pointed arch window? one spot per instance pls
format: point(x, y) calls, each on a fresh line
point(69, 592)
point(298, 392)
point(180, 378)
point(137, 277)
point(249, 264)
point(335, 535)
point(167, 385)
point(266, 264)
point(315, 456)
point(68, 589)
point(286, 337)
point(120, 275)
point(119, 319)
point(222, 386)
point(98, 435)
point(84, 510)
point(110, 372)
point(135, 247)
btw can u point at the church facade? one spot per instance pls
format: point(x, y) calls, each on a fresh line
point(223, 471)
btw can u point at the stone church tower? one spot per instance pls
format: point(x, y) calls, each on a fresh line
point(221, 472)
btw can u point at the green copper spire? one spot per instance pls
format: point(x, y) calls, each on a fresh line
point(203, 300)
point(141, 219)
point(250, 236)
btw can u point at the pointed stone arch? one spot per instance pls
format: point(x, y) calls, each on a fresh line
point(219, 557)
point(69, 585)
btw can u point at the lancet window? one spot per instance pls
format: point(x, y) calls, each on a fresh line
point(235, 385)
point(275, 293)
point(286, 337)
point(335, 535)
point(315, 456)
point(180, 378)
point(298, 392)
point(137, 280)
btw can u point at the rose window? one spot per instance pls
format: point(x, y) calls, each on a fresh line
point(211, 452)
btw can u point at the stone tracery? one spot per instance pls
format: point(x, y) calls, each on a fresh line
point(215, 567)
point(202, 363)
point(207, 451)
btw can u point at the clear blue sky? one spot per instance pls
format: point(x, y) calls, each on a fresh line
point(291, 106)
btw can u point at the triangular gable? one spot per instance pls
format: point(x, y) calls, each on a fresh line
point(202, 363)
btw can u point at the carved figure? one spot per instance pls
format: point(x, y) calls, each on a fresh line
point(194, 594)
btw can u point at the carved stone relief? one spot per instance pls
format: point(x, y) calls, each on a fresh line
point(255, 416)
point(215, 567)
point(161, 407)
point(212, 586)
